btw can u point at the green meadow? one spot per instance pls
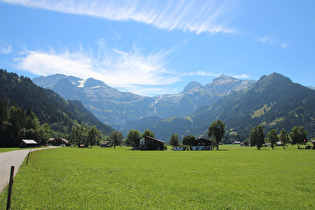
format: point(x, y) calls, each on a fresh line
point(9, 149)
point(105, 178)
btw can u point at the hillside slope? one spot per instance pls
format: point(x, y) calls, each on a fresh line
point(116, 108)
point(49, 107)
point(274, 101)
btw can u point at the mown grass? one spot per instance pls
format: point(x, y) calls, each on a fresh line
point(9, 149)
point(232, 178)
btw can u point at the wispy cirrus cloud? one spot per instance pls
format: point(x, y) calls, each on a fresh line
point(211, 74)
point(272, 41)
point(187, 15)
point(129, 71)
point(5, 48)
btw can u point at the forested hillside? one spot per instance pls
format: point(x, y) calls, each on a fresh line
point(274, 102)
point(117, 108)
point(50, 108)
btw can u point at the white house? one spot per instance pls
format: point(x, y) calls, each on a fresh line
point(178, 148)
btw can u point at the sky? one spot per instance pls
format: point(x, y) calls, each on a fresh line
point(157, 47)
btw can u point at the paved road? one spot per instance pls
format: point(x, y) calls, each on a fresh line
point(8, 159)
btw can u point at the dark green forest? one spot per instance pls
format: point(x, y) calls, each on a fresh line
point(19, 93)
point(17, 124)
point(274, 102)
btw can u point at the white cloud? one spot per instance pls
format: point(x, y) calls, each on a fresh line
point(187, 15)
point(266, 39)
point(202, 73)
point(241, 76)
point(5, 48)
point(123, 70)
point(272, 41)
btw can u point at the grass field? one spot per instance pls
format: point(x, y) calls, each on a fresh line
point(100, 178)
point(8, 149)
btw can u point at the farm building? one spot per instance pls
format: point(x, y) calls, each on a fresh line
point(149, 143)
point(201, 144)
point(179, 148)
point(58, 142)
point(28, 143)
point(105, 144)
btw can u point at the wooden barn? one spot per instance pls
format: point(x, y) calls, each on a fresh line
point(58, 142)
point(179, 148)
point(150, 143)
point(105, 144)
point(201, 144)
point(28, 143)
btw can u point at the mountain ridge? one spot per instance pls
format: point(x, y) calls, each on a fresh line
point(49, 107)
point(274, 101)
point(115, 108)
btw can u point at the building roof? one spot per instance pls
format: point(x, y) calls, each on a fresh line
point(63, 140)
point(149, 137)
point(29, 141)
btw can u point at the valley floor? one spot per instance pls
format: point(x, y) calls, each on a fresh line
point(100, 178)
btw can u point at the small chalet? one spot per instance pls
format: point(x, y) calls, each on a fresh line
point(279, 143)
point(149, 143)
point(105, 144)
point(58, 142)
point(201, 144)
point(28, 143)
point(179, 148)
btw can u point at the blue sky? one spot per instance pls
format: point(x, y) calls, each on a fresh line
point(156, 47)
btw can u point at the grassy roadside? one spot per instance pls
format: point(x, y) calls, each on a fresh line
point(233, 178)
point(9, 149)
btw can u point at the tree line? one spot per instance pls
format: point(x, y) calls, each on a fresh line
point(216, 131)
point(17, 124)
point(297, 136)
point(82, 136)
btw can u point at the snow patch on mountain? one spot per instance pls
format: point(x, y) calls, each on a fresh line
point(81, 83)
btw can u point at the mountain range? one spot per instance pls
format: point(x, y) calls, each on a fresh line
point(117, 108)
point(273, 101)
point(61, 115)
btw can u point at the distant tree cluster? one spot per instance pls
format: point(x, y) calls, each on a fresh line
point(81, 135)
point(257, 136)
point(217, 130)
point(116, 138)
point(174, 140)
point(17, 124)
point(297, 136)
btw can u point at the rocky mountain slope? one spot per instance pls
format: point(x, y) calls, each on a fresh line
point(274, 102)
point(116, 108)
point(49, 107)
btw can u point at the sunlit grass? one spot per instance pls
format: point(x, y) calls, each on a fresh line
point(9, 149)
point(100, 178)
